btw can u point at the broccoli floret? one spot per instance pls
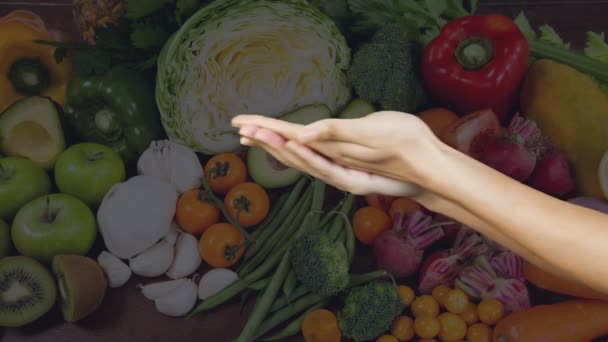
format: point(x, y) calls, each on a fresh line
point(369, 310)
point(385, 71)
point(319, 263)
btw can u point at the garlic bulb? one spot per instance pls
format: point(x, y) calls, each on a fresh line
point(117, 272)
point(172, 163)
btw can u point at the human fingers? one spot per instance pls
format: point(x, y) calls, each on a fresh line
point(284, 128)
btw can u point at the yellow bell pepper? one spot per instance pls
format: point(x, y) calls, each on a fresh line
point(28, 68)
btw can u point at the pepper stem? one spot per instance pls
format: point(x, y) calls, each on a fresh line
point(29, 76)
point(473, 53)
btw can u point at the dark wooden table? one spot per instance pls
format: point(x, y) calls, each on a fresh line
point(126, 315)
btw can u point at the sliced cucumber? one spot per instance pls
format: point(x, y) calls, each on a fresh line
point(357, 108)
point(266, 170)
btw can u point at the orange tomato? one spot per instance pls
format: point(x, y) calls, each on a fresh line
point(403, 328)
point(250, 201)
point(425, 305)
point(387, 338)
point(427, 326)
point(490, 311)
point(321, 325)
point(404, 205)
point(225, 170)
point(368, 223)
point(427, 340)
point(194, 213)
point(453, 327)
point(406, 295)
point(439, 293)
point(456, 301)
point(221, 245)
point(479, 332)
point(438, 119)
point(469, 315)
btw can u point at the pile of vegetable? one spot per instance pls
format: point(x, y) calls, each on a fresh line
point(124, 139)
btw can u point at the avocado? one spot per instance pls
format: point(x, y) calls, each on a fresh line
point(356, 108)
point(31, 129)
point(265, 169)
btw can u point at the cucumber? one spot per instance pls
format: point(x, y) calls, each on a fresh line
point(266, 170)
point(357, 108)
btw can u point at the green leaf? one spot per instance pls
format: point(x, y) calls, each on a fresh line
point(148, 63)
point(60, 54)
point(548, 35)
point(524, 26)
point(436, 7)
point(429, 35)
point(186, 8)
point(113, 37)
point(473, 6)
point(137, 9)
point(596, 46)
point(90, 62)
point(146, 36)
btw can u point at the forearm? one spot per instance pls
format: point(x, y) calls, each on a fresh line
point(561, 237)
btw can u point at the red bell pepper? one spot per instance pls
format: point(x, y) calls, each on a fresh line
point(477, 62)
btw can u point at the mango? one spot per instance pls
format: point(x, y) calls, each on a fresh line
point(572, 111)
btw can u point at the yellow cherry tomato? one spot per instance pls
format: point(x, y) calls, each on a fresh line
point(321, 325)
point(490, 311)
point(403, 328)
point(427, 340)
point(479, 332)
point(456, 301)
point(439, 293)
point(425, 305)
point(406, 295)
point(469, 315)
point(427, 326)
point(387, 338)
point(453, 327)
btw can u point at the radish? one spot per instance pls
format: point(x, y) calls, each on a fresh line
point(442, 267)
point(399, 250)
point(552, 175)
point(514, 153)
point(508, 264)
point(480, 280)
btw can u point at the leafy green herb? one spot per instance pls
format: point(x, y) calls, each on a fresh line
point(549, 36)
point(137, 9)
point(424, 17)
point(596, 46)
point(146, 36)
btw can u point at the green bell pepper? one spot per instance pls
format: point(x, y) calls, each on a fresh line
point(117, 109)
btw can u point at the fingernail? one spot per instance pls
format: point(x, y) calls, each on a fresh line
point(248, 131)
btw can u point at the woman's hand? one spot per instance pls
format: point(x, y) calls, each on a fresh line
point(301, 157)
point(392, 144)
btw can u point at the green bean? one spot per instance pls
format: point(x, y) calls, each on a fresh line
point(288, 312)
point(263, 304)
point(290, 203)
point(283, 233)
point(260, 284)
point(318, 199)
point(270, 218)
point(338, 222)
point(341, 238)
point(220, 298)
point(294, 327)
point(282, 301)
point(290, 284)
point(350, 240)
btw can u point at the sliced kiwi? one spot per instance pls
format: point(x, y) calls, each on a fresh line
point(82, 285)
point(27, 291)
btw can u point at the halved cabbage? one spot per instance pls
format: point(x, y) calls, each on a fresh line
point(232, 57)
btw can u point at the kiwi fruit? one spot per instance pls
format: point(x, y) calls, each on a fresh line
point(27, 291)
point(82, 285)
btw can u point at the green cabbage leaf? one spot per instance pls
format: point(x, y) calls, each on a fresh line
point(266, 57)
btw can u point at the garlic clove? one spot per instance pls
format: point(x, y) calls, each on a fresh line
point(173, 233)
point(156, 290)
point(215, 281)
point(117, 272)
point(178, 301)
point(154, 261)
point(187, 257)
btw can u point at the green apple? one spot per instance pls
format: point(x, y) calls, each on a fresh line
point(54, 224)
point(88, 171)
point(21, 180)
point(5, 239)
